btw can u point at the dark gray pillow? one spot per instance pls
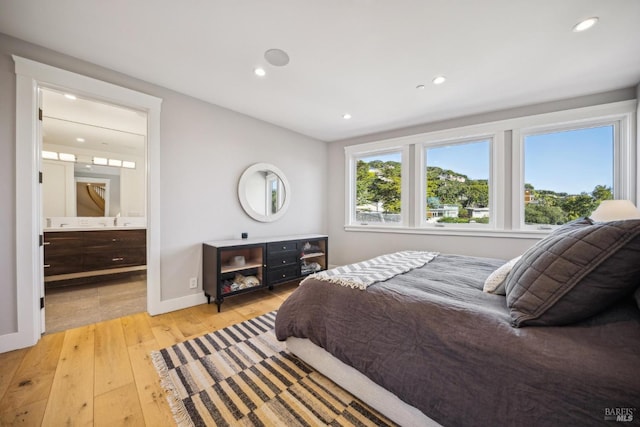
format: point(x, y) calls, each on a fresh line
point(575, 272)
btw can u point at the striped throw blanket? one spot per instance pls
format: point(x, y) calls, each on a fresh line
point(363, 274)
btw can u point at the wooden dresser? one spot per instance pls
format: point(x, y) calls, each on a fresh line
point(232, 267)
point(74, 254)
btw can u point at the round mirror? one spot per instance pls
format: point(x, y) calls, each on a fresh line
point(264, 192)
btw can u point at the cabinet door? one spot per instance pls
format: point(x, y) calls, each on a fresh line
point(313, 256)
point(241, 269)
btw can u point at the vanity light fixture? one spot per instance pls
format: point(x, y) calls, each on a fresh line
point(346, 116)
point(439, 80)
point(51, 155)
point(54, 155)
point(70, 96)
point(66, 157)
point(260, 72)
point(114, 162)
point(585, 25)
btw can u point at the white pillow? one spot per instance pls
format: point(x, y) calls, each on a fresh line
point(495, 282)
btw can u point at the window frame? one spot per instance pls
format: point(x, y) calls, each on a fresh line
point(495, 153)
point(624, 156)
point(352, 155)
point(506, 168)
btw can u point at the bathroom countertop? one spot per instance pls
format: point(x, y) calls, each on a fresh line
point(96, 228)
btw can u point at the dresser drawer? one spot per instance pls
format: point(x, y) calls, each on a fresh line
point(284, 274)
point(281, 259)
point(279, 247)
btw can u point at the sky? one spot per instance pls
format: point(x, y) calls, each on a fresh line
point(565, 162)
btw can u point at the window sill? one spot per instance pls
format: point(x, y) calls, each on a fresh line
point(450, 231)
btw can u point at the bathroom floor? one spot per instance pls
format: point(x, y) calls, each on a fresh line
point(72, 306)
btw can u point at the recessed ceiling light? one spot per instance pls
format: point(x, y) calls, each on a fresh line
point(421, 87)
point(277, 57)
point(70, 96)
point(346, 116)
point(439, 80)
point(80, 139)
point(585, 25)
point(260, 72)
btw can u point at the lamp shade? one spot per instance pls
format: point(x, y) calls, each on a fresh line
point(615, 210)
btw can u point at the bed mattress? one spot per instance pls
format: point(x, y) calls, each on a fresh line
point(435, 340)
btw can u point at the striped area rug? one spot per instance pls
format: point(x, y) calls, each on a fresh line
point(243, 376)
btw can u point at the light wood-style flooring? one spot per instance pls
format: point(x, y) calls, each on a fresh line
point(101, 374)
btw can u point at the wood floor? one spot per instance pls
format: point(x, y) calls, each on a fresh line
point(102, 375)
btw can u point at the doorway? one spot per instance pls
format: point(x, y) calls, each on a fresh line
point(29, 290)
point(94, 183)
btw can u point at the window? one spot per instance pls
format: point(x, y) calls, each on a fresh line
point(517, 177)
point(567, 173)
point(457, 183)
point(378, 188)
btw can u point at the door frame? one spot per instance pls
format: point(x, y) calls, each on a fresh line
point(30, 75)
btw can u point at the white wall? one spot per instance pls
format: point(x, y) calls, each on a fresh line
point(204, 149)
point(351, 246)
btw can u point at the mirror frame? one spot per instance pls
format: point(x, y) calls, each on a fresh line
point(242, 186)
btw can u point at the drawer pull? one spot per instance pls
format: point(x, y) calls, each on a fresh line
point(46, 243)
point(47, 265)
point(117, 259)
point(284, 275)
point(284, 247)
point(284, 262)
point(114, 240)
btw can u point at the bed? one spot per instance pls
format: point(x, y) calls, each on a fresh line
point(430, 347)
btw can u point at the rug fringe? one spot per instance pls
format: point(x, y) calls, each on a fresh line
point(180, 414)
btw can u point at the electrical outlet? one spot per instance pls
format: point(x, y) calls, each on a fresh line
point(193, 283)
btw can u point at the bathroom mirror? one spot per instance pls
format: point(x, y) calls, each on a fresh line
point(264, 192)
point(92, 142)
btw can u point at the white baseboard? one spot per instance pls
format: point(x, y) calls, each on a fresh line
point(166, 306)
point(14, 341)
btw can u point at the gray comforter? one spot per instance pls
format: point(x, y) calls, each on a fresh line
point(433, 338)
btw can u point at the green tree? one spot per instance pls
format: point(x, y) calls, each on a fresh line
point(602, 192)
point(578, 206)
point(536, 213)
point(387, 186)
point(364, 183)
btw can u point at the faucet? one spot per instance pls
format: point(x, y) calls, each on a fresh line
point(115, 221)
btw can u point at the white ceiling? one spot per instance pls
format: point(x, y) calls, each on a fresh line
point(365, 57)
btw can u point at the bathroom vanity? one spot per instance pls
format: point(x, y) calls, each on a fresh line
point(73, 253)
